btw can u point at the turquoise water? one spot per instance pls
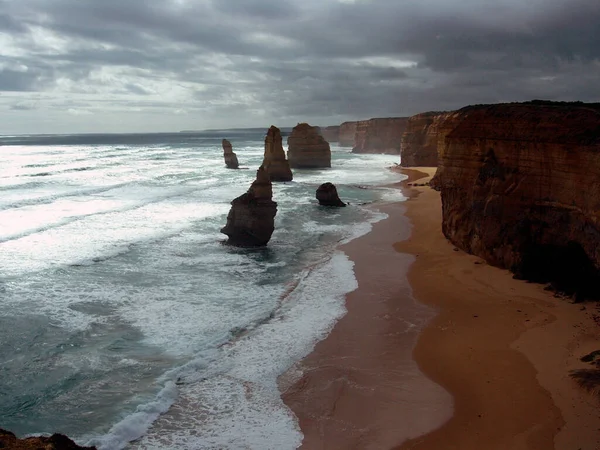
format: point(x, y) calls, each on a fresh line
point(119, 303)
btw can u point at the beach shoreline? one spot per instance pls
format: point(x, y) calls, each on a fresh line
point(356, 384)
point(498, 350)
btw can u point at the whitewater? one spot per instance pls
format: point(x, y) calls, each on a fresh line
point(125, 322)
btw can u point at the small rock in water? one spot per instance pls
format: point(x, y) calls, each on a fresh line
point(328, 196)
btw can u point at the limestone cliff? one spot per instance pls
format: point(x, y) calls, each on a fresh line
point(274, 160)
point(307, 148)
point(331, 134)
point(251, 219)
point(230, 157)
point(346, 134)
point(379, 135)
point(420, 140)
point(520, 187)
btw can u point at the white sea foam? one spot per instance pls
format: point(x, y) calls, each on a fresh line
point(238, 405)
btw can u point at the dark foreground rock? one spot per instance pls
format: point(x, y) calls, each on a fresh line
point(274, 161)
point(231, 160)
point(307, 149)
point(328, 196)
point(251, 219)
point(55, 442)
point(520, 187)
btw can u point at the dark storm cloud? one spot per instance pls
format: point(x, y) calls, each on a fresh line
point(314, 58)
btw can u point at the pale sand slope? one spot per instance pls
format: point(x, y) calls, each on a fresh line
point(502, 347)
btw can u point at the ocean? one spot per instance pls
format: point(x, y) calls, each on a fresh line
point(124, 320)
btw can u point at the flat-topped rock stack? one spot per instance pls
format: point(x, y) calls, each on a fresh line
point(251, 219)
point(231, 160)
point(307, 149)
point(275, 162)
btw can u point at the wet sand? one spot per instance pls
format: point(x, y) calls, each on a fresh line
point(499, 350)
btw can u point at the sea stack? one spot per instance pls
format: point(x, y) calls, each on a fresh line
point(231, 160)
point(328, 196)
point(274, 162)
point(251, 219)
point(307, 149)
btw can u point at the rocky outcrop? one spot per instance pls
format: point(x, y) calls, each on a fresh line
point(346, 134)
point(55, 442)
point(274, 161)
point(231, 160)
point(331, 134)
point(251, 219)
point(520, 187)
point(307, 149)
point(420, 140)
point(328, 196)
point(379, 135)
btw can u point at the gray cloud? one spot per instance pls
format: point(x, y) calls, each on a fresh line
point(256, 62)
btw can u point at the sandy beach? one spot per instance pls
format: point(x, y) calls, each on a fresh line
point(496, 352)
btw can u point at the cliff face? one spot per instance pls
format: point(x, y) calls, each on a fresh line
point(420, 140)
point(307, 148)
point(379, 135)
point(346, 134)
point(520, 187)
point(274, 162)
point(331, 134)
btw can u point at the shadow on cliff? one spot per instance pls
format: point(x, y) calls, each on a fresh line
point(568, 269)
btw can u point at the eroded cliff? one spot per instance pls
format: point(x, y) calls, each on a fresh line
point(379, 135)
point(520, 187)
point(332, 133)
point(420, 140)
point(346, 134)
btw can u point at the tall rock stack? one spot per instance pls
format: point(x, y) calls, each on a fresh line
point(231, 160)
point(274, 161)
point(307, 149)
point(251, 219)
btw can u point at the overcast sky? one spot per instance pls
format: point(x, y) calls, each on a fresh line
point(167, 65)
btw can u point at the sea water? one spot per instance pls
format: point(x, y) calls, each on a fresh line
point(125, 321)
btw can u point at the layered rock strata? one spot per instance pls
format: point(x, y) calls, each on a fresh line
point(307, 149)
point(420, 139)
point(327, 195)
point(231, 160)
point(274, 161)
point(346, 134)
point(331, 134)
point(520, 187)
point(55, 442)
point(379, 135)
point(251, 219)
